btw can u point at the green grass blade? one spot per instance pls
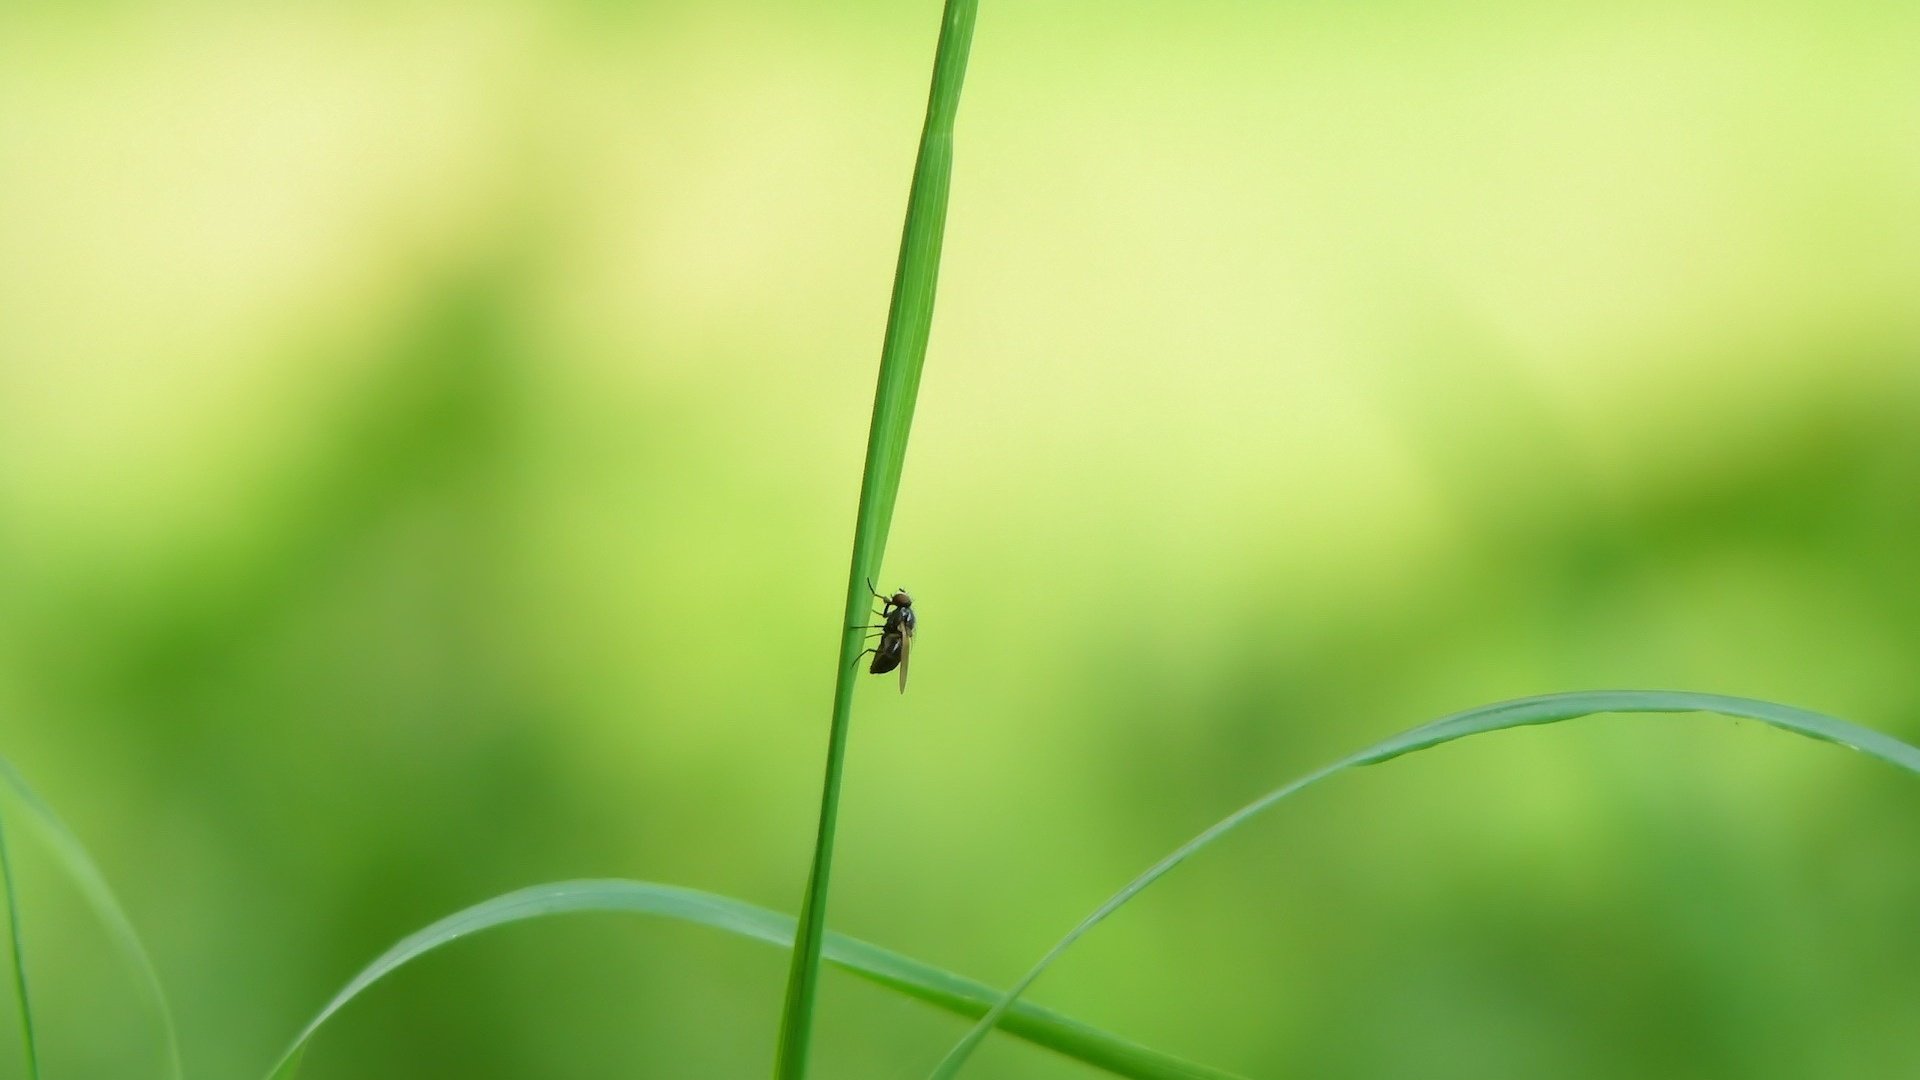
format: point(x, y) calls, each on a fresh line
point(1545, 709)
point(889, 969)
point(80, 867)
point(902, 355)
point(22, 994)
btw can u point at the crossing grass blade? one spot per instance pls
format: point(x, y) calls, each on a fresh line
point(80, 867)
point(902, 355)
point(922, 981)
point(23, 995)
point(1545, 709)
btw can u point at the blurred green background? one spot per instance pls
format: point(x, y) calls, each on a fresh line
point(429, 436)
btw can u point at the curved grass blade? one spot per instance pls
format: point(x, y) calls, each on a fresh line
point(93, 885)
point(889, 969)
point(902, 355)
point(22, 994)
point(1545, 709)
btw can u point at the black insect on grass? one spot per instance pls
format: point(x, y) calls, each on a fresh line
point(896, 627)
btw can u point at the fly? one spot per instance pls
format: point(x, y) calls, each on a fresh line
point(896, 634)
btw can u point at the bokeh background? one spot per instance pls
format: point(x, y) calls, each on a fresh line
point(430, 431)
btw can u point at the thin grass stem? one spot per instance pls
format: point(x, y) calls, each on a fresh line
point(21, 991)
point(903, 353)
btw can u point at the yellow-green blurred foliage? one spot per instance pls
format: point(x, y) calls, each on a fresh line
point(429, 435)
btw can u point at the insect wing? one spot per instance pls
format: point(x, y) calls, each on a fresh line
point(906, 651)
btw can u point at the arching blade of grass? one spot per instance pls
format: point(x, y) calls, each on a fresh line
point(1546, 709)
point(889, 969)
point(902, 354)
point(23, 995)
point(81, 868)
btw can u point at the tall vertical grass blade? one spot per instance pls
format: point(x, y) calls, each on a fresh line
point(1545, 709)
point(93, 885)
point(23, 996)
point(889, 969)
point(902, 354)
